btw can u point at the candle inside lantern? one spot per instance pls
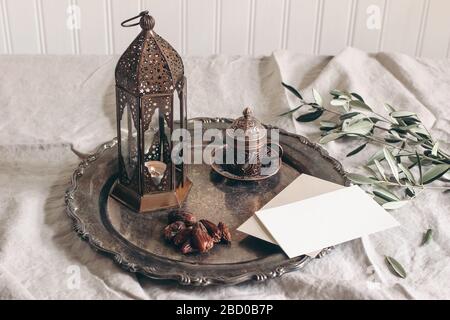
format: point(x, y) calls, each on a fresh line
point(156, 170)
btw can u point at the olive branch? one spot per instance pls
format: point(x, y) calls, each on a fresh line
point(409, 159)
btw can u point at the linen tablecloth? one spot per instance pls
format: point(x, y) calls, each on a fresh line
point(54, 109)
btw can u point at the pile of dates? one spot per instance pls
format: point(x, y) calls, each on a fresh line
point(190, 235)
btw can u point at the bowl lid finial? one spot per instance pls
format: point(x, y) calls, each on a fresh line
point(247, 127)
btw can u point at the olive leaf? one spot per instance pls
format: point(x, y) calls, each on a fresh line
point(326, 129)
point(330, 137)
point(410, 192)
point(379, 200)
point(357, 96)
point(340, 93)
point(435, 149)
point(359, 105)
point(427, 237)
point(435, 173)
point(389, 108)
point(353, 120)
point(338, 102)
point(379, 155)
point(411, 121)
point(361, 128)
point(420, 168)
point(395, 267)
point(402, 114)
point(328, 124)
point(317, 97)
point(348, 115)
point(385, 194)
point(393, 140)
point(292, 90)
point(380, 168)
point(374, 173)
point(399, 129)
point(308, 117)
point(392, 163)
point(396, 134)
point(355, 151)
point(418, 130)
point(346, 107)
point(359, 179)
point(407, 173)
point(292, 110)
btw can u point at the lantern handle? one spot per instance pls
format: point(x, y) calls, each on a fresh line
point(123, 23)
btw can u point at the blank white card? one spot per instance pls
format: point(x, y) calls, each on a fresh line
point(325, 220)
point(303, 187)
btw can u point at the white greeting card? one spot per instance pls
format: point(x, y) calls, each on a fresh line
point(324, 220)
point(303, 187)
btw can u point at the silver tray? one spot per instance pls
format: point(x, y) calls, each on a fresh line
point(134, 241)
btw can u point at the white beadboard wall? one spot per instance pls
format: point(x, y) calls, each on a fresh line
point(255, 27)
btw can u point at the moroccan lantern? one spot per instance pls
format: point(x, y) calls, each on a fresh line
point(150, 98)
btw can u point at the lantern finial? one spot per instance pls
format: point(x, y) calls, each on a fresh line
point(147, 22)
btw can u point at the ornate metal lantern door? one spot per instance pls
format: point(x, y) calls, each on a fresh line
point(149, 81)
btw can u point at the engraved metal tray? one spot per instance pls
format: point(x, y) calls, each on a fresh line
point(135, 241)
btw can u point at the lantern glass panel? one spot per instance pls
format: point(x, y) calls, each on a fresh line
point(180, 123)
point(128, 143)
point(176, 107)
point(157, 145)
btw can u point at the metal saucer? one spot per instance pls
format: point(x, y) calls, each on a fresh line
point(223, 169)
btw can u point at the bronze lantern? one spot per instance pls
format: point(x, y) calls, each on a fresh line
point(150, 90)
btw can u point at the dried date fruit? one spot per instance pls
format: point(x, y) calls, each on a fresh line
point(171, 230)
point(213, 230)
point(187, 217)
point(226, 235)
point(182, 236)
point(200, 238)
point(187, 248)
point(191, 236)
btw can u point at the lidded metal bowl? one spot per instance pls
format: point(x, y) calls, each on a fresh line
point(248, 148)
point(247, 129)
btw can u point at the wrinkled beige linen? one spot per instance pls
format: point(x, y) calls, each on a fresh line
point(56, 104)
